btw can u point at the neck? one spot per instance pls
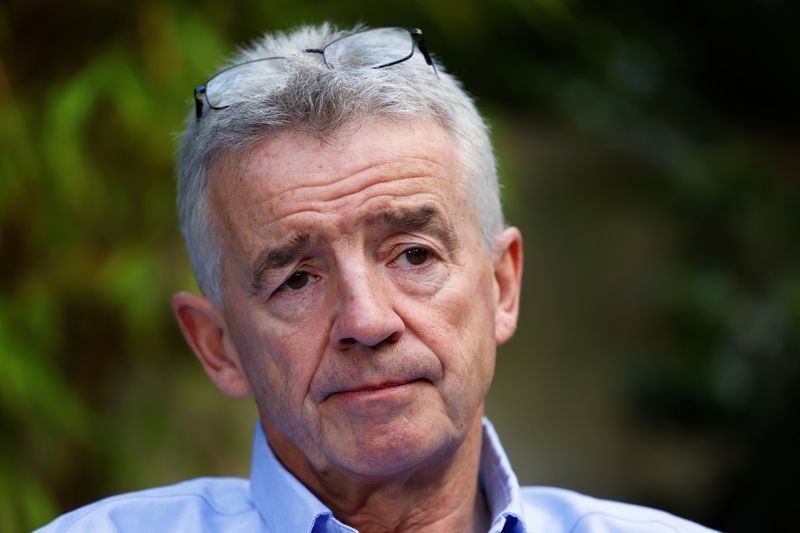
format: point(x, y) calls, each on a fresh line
point(442, 495)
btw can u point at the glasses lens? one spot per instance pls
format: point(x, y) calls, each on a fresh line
point(371, 48)
point(243, 81)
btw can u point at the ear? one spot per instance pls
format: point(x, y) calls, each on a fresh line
point(205, 331)
point(508, 283)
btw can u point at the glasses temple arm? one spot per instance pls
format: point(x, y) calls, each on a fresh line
point(199, 93)
point(424, 49)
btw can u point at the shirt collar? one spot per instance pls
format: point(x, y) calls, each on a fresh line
point(500, 485)
point(285, 504)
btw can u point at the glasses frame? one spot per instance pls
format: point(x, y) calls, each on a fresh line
point(417, 39)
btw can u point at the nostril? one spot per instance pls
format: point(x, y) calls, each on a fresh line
point(347, 343)
point(391, 339)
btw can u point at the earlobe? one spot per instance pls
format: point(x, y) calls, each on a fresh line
point(508, 283)
point(205, 331)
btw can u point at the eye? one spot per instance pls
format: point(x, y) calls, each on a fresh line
point(417, 256)
point(298, 280)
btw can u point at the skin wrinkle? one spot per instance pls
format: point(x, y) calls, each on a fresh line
point(379, 178)
point(323, 206)
point(346, 102)
point(420, 515)
point(438, 227)
point(238, 164)
point(404, 458)
point(320, 207)
point(277, 258)
point(426, 217)
point(396, 221)
point(263, 161)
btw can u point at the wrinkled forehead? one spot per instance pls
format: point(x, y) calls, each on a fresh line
point(294, 181)
point(289, 164)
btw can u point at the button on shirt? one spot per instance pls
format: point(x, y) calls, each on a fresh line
point(273, 500)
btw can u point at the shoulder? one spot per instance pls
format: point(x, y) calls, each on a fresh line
point(565, 510)
point(218, 504)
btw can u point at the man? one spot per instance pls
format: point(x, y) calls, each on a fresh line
point(340, 205)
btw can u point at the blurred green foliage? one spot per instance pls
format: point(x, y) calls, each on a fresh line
point(649, 152)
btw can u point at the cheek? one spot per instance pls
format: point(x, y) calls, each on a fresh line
point(290, 310)
point(421, 282)
point(458, 325)
point(280, 360)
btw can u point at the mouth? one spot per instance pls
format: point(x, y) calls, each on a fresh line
point(368, 390)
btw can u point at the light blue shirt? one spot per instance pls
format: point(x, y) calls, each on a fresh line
point(273, 500)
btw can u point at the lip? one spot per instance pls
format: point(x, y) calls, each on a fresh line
point(370, 390)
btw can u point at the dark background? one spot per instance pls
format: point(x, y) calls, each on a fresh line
point(648, 151)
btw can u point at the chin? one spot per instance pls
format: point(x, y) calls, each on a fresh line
point(387, 451)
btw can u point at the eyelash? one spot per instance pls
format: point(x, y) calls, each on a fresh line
point(284, 287)
point(430, 256)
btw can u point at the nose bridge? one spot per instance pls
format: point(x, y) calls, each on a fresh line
point(364, 308)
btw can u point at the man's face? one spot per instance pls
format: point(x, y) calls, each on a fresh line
point(360, 300)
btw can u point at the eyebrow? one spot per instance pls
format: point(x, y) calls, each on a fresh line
point(426, 217)
point(277, 258)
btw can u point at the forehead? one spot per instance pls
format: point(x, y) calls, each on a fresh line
point(294, 177)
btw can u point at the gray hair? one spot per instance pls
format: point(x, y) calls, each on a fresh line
point(302, 94)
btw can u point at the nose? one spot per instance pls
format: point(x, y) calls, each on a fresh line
point(364, 312)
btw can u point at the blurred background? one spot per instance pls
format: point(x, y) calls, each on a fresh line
point(650, 152)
